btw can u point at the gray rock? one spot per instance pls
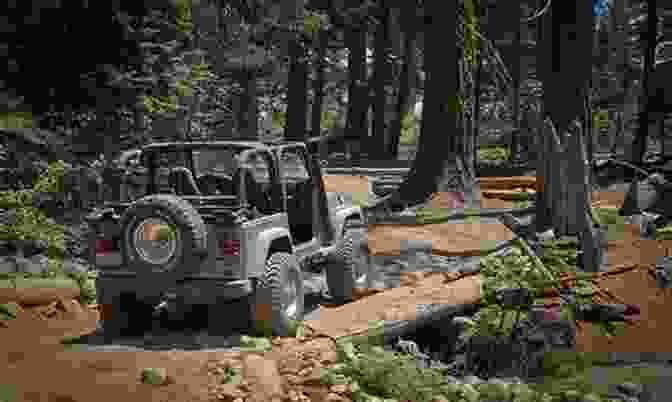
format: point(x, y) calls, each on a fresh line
point(416, 246)
point(6, 248)
point(472, 379)
point(7, 265)
point(73, 267)
point(8, 217)
point(630, 389)
point(469, 269)
point(452, 379)
point(498, 381)
point(512, 380)
point(463, 322)
point(664, 272)
point(31, 266)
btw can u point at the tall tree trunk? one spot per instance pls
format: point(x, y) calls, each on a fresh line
point(649, 44)
point(318, 89)
point(567, 194)
point(407, 84)
point(440, 104)
point(515, 94)
point(358, 99)
point(378, 145)
point(248, 106)
point(297, 99)
point(621, 63)
point(476, 112)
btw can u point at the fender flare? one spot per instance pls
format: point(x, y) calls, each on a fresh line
point(264, 241)
point(342, 215)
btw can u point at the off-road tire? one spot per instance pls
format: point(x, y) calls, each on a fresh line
point(269, 312)
point(341, 270)
point(188, 253)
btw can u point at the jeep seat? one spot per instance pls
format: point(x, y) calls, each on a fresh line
point(183, 182)
point(253, 190)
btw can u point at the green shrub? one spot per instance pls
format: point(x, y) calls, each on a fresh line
point(495, 153)
point(409, 130)
point(33, 224)
point(8, 393)
point(16, 120)
point(153, 376)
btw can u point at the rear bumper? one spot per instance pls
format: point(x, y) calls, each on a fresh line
point(208, 290)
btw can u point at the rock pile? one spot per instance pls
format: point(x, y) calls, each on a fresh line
point(30, 257)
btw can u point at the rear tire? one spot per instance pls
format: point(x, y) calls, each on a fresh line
point(279, 302)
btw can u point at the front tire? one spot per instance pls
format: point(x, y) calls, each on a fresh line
point(351, 266)
point(279, 298)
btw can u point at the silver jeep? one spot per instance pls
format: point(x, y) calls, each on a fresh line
point(223, 221)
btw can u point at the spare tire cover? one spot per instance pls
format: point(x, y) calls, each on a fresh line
point(164, 239)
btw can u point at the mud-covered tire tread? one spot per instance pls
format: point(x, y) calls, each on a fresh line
point(270, 290)
point(340, 271)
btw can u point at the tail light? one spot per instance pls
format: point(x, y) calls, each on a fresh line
point(104, 246)
point(230, 247)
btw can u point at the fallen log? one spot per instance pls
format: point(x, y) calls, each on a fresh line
point(507, 183)
point(509, 195)
point(388, 331)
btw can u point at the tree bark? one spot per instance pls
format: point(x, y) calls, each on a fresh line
point(566, 191)
point(378, 145)
point(248, 106)
point(440, 104)
point(407, 84)
point(318, 89)
point(297, 97)
point(639, 144)
point(515, 94)
point(358, 100)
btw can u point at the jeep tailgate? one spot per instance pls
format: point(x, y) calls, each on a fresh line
point(225, 258)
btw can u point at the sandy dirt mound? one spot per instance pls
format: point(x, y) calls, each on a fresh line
point(608, 199)
point(37, 295)
point(360, 185)
point(507, 183)
point(346, 184)
point(448, 239)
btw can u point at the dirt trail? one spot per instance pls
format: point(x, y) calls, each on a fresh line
point(33, 361)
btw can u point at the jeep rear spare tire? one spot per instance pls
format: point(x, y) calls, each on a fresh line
point(164, 239)
point(278, 303)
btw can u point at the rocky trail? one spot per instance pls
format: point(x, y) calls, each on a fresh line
point(197, 366)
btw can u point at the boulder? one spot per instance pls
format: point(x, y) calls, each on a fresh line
point(7, 265)
point(74, 267)
point(8, 217)
point(35, 265)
